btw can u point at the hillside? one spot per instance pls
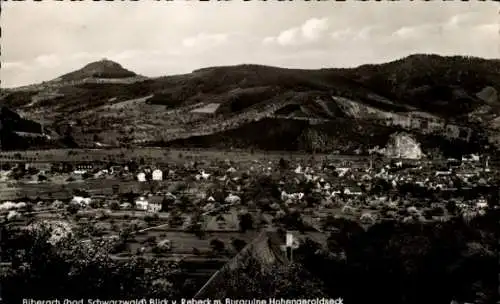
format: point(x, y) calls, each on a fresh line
point(17, 132)
point(450, 101)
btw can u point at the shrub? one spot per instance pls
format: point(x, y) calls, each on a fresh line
point(246, 222)
point(367, 218)
point(217, 245)
point(114, 206)
point(72, 208)
point(238, 244)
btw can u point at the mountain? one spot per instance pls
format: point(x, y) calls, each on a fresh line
point(99, 69)
point(446, 103)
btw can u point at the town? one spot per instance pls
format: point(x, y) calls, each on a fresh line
point(200, 213)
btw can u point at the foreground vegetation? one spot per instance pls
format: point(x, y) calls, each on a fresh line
point(389, 262)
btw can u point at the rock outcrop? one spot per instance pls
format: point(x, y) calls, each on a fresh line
point(403, 145)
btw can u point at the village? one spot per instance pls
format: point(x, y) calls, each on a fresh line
point(201, 213)
point(369, 190)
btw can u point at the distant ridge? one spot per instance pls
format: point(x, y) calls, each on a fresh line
point(446, 103)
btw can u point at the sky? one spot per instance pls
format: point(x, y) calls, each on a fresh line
point(43, 40)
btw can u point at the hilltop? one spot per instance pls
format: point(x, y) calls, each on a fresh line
point(99, 69)
point(447, 103)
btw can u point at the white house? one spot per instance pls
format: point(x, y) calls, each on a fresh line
point(141, 203)
point(82, 201)
point(141, 177)
point(481, 204)
point(440, 173)
point(471, 158)
point(157, 175)
point(232, 199)
point(298, 170)
point(353, 191)
point(342, 171)
point(335, 192)
point(202, 175)
point(155, 203)
point(154, 207)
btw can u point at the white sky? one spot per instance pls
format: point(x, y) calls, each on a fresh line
point(40, 41)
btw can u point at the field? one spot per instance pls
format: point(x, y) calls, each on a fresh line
point(159, 154)
point(194, 254)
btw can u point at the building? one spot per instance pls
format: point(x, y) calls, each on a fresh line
point(42, 167)
point(141, 203)
point(115, 169)
point(353, 191)
point(141, 177)
point(157, 175)
point(84, 167)
point(82, 201)
point(155, 203)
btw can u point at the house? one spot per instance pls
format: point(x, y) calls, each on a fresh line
point(141, 177)
point(440, 173)
point(157, 175)
point(155, 204)
point(335, 192)
point(202, 175)
point(232, 199)
point(84, 167)
point(354, 190)
point(82, 201)
point(115, 169)
point(471, 158)
point(42, 167)
point(342, 171)
point(141, 203)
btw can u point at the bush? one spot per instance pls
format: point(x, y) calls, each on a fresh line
point(238, 244)
point(114, 206)
point(150, 240)
point(72, 208)
point(217, 245)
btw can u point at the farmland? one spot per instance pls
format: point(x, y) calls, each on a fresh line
point(161, 155)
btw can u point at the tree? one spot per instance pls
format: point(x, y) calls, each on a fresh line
point(73, 270)
point(197, 229)
point(72, 208)
point(246, 222)
point(217, 246)
point(114, 205)
point(238, 244)
point(33, 171)
point(283, 164)
point(252, 279)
